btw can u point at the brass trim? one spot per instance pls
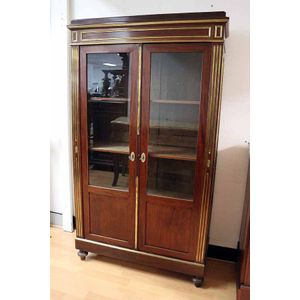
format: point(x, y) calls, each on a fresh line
point(74, 36)
point(200, 233)
point(82, 26)
point(138, 121)
point(76, 139)
point(142, 29)
point(216, 30)
point(136, 212)
point(211, 148)
point(153, 40)
point(144, 37)
point(140, 252)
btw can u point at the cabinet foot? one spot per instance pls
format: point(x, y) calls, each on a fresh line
point(198, 281)
point(82, 254)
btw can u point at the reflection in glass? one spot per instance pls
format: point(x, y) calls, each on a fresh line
point(174, 121)
point(108, 114)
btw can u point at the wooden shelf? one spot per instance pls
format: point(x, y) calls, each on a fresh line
point(162, 125)
point(169, 194)
point(177, 153)
point(106, 99)
point(111, 148)
point(190, 102)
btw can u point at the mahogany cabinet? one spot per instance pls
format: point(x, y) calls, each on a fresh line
point(146, 94)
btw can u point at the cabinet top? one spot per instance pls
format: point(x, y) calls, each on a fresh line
point(152, 18)
point(213, 26)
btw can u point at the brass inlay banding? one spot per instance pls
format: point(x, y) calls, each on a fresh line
point(218, 27)
point(76, 139)
point(74, 36)
point(81, 26)
point(211, 126)
point(138, 121)
point(213, 145)
point(200, 234)
point(145, 40)
point(212, 130)
point(145, 29)
point(134, 38)
point(136, 212)
point(140, 252)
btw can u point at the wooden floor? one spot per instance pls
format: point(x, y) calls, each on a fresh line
point(107, 279)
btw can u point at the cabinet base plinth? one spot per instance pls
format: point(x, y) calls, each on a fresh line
point(139, 257)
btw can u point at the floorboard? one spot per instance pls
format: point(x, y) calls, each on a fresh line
point(109, 279)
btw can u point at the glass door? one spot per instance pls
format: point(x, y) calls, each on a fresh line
point(108, 117)
point(174, 104)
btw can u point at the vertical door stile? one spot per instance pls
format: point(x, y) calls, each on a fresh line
point(76, 140)
point(138, 126)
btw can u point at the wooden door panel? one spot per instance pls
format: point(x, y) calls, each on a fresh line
point(109, 217)
point(168, 227)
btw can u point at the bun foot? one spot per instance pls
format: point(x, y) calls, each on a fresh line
point(198, 282)
point(82, 254)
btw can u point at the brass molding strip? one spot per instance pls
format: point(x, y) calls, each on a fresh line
point(152, 40)
point(82, 26)
point(138, 121)
point(136, 212)
point(139, 90)
point(220, 27)
point(76, 139)
point(214, 125)
point(211, 150)
point(207, 192)
point(134, 38)
point(201, 222)
point(74, 36)
point(148, 29)
point(140, 252)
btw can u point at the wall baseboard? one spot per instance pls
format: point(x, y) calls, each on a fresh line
point(223, 253)
point(56, 218)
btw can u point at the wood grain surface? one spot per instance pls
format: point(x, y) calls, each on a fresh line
point(109, 279)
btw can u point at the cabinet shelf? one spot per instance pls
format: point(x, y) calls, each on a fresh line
point(169, 194)
point(111, 148)
point(106, 99)
point(177, 153)
point(165, 101)
point(169, 125)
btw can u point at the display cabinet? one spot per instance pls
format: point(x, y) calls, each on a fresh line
point(146, 96)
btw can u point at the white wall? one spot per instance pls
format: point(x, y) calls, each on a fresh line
point(234, 128)
point(60, 164)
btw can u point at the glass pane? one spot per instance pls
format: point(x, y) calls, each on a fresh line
point(174, 121)
point(108, 115)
